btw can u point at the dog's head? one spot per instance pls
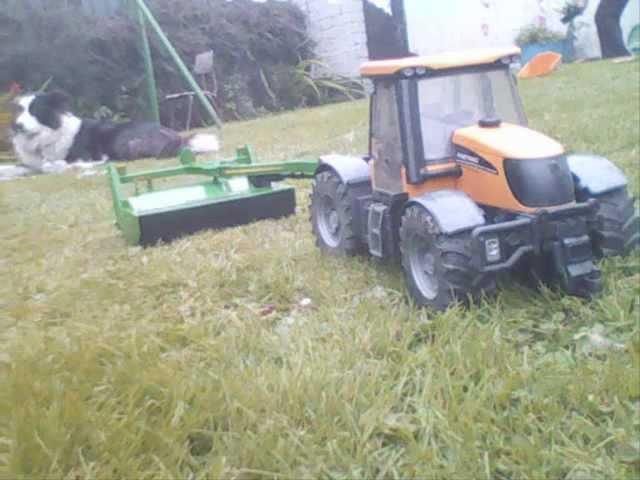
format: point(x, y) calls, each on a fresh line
point(39, 112)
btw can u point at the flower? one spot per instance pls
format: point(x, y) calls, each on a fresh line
point(15, 88)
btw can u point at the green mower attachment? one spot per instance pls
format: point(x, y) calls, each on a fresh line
point(236, 192)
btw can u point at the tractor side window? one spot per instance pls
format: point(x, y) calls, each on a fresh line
point(386, 146)
point(446, 104)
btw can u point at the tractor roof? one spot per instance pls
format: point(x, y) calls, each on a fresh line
point(465, 58)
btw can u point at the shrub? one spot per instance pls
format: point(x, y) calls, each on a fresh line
point(535, 34)
point(257, 47)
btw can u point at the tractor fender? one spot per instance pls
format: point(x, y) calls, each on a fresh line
point(349, 169)
point(595, 175)
point(453, 210)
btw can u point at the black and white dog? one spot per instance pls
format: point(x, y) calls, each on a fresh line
point(45, 132)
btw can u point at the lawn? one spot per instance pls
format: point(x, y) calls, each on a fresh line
point(245, 353)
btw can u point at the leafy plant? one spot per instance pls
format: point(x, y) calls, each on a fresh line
point(45, 85)
point(537, 34)
point(572, 9)
point(324, 85)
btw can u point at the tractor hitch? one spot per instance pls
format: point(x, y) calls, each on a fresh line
point(560, 235)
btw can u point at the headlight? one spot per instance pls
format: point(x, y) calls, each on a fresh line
point(409, 72)
point(492, 250)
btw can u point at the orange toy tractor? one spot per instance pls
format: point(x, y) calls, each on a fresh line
point(457, 188)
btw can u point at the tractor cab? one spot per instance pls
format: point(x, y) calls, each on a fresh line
point(431, 117)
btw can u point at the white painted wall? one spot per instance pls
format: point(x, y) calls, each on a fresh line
point(337, 27)
point(439, 25)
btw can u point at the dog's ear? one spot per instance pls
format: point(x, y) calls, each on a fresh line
point(59, 100)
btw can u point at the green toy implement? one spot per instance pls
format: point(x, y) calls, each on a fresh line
point(235, 192)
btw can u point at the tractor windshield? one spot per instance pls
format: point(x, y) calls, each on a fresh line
point(450, 102)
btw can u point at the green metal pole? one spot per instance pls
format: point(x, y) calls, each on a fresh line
point(144, 10)
point(152, 90)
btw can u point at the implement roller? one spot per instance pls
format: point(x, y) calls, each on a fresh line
point(236, 192)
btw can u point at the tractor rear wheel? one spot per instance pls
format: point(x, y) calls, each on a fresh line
point(617, 229)
point(438, 267)
point(332, 217)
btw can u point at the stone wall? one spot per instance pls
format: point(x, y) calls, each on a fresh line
point(338, 28)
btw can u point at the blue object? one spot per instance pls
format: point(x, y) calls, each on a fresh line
point(531, 50)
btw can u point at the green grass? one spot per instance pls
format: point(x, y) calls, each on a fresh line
point(197, 360)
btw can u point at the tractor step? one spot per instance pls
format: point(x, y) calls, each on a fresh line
point(377, 212)
point(573, 259)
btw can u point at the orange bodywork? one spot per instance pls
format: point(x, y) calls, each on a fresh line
point(480, 56)
point(507, 140)
point(488, 188)
point(540, 65)
point(431, 185)
point(494, 145)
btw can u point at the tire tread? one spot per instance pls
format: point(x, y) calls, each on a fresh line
point(617, 229)
point(459, 281)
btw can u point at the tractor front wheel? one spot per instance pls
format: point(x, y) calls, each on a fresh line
point(332, 217)
point(438, 267)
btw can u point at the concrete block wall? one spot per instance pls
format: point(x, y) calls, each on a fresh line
point(338, 28)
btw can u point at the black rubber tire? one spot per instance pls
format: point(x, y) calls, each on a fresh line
point(453, 279)
point(617, 230)
point(332, 217)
